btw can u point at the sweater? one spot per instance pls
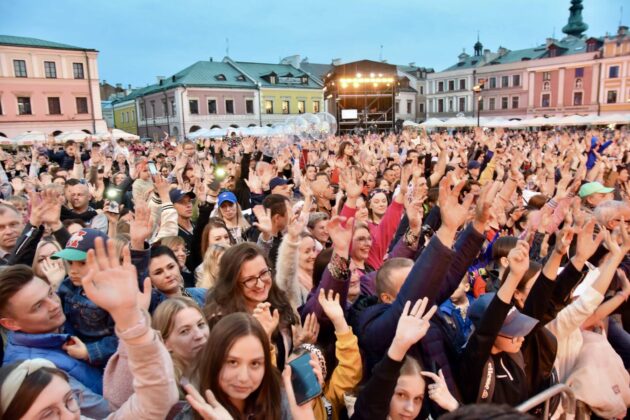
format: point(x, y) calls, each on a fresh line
point(344, 378)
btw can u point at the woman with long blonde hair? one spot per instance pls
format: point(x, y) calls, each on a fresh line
point(207, 272)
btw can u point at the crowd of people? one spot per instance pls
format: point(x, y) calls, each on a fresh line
point(426, 275)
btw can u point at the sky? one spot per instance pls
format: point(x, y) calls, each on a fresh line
point(141, 39)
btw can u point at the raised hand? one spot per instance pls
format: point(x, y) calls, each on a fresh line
point(333, 310)
point(263, 217)
point(269, 321)
point(254, 183)
point(112, 285)
point(209, 408)
point(518, 259)
point(296, 226)
point(586, 244)
point(54, 270)
point(340, 231)
point(307, 332)
point(141, 227)
point(452, 213)
point(352, 186)
point(483, 210)
point(412, 326)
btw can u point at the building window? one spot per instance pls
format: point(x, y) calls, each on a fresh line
point(229, 106)
point(546, 85)
point(315, 106)
point(409, 107)
point(462, 104)
point(493, 82)
point(133, 115)
point(285, 107)
point(77, 69)
point(480, 103)
point(440, 105)
point(579, 72)
point(143, 110)
point(450, 105)
point(24, 105)
point(578, 83)
point(421, 90)
point(504, 102)
point(82, 105)
point(440, 86)
point(613, 72)
point(462, 84)
point(54, 106)
point(491, 102)
point(249, 106)
point(505, 81)
point(19, 68)
point(50, 70)
point(516, 80)
point(173, 107)
point(153, 109)
point(0, 106)
point(515, 100)
point(421, 108)
point(164, 107)
point(268, 106)
point(397, 107)
point(591, 47)
point(546, 98)
point(301, 107)
point(212, 106)
point(547, 75)
point(451, 85)
point(193, 105)
point(611, 97)
point(577, 98)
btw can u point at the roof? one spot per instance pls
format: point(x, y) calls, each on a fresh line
point(258, 71)
point(21, 41)
point(469, 62)
point(317, 70)
point(135, 93)
point(215, 74)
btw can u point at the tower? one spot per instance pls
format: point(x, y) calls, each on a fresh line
point(576, 25)
point(478, 47)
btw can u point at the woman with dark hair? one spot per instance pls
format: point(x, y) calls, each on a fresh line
point(236, 370)
point(246, 284)
point(36, 389)
point(167, 279)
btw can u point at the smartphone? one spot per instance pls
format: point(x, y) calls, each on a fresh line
point(305, 384)
point(113, 207)
point(219, 173)
point(152, 168)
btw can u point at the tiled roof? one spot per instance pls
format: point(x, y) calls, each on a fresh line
point(258, 71)
point(22, 41)
point(317, 70)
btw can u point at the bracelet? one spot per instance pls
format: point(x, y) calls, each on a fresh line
point(339, 267)
point(411, 239)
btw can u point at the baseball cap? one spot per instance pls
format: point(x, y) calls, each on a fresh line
point(516, 324)
point(177, 195)
point(593, 188)
point(277, 182)
point(226, 196)
point(78, 245)
point(474, 164)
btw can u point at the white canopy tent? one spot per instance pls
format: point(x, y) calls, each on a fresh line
point(432, 122)
point(116, 134)
point(78, 136)
point(29, 138)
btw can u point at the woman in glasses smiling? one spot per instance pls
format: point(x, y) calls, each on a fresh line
point(245, 281)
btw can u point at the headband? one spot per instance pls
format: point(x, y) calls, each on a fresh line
point(14, 380)
point(320, 357)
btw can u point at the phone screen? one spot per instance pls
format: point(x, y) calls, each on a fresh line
point(305, 383)
point(152, 168)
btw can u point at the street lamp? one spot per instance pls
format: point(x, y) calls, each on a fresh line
point(477, 91)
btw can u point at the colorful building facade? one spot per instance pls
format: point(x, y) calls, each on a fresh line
point(49, 87)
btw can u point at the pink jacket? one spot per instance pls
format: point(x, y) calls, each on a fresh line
point(382, 234)
point(139, 380)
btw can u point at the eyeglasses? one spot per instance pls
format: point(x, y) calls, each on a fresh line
point(72, 402)
point(507, 337)
point(264, 277)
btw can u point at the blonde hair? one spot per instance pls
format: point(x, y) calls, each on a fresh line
point(163, 320)
point(207, 276)
point(172, 242)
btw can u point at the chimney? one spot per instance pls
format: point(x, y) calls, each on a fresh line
point(104, 82)
point(293, 60)
point(336, 61)
point(159, 78)
point(549, 41)
point(463, 56)
point(118, 85)
point(129, 87)
point(622, 31)
point(211, 60)
point(486, 54)
point(412, 64)
point(502, 51)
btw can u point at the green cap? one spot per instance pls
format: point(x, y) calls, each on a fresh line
point(593, 188)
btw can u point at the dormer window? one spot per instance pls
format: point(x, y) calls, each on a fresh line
point(220, 77)
point(240, 78)
point(304, 80)
point(272, 79)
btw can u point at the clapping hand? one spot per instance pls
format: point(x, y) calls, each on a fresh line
point(333, 310)
point(208, 408)
point(269, 321)
point(307, 332)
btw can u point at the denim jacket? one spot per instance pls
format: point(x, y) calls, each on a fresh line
point(93, 325)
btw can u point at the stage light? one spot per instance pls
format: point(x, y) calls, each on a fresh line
point(375, 85)
point(344, 85)
point(356, 85)
point(358, 75)
point(372, 75)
